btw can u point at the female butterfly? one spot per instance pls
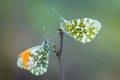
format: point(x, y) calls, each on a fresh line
point(35, 59)
point(83, 29)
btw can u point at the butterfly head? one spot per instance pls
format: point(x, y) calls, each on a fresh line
point(46, 44)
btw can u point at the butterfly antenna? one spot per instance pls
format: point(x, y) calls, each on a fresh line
point(47, 30)
point(57, 12)
point(43, 32)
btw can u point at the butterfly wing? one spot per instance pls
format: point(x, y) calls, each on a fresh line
point(83, 30)
point(34, 59)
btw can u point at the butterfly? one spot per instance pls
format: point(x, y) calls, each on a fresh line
point(35, 59)
point(82, 30)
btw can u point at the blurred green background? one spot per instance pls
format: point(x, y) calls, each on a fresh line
point(21, 23)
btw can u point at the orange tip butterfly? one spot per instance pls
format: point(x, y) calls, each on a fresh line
point(82, 30)
point(35, 59)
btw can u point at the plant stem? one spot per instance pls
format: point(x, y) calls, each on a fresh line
point(59, 55)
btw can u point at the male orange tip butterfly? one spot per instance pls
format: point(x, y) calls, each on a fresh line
point(35, 59)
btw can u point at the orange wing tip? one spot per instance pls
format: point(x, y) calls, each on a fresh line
point(23, 58)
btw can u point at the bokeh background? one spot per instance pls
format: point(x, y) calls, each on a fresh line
point(21, 27)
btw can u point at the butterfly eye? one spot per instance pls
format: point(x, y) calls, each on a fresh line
point(46, 42)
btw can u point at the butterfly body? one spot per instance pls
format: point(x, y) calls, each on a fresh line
point(35, 59)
